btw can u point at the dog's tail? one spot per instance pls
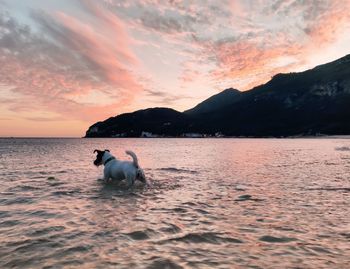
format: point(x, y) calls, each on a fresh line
point(134, 158)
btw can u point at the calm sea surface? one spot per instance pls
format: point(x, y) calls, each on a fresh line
point(212, 203)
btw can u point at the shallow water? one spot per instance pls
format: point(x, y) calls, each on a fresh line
point(212, 203)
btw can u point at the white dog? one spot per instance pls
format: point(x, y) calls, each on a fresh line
point(119, 170)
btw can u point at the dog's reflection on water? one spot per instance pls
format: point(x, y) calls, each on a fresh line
point(120, 189)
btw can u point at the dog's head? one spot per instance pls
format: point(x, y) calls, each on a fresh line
point(99, 156)
point(140, 175)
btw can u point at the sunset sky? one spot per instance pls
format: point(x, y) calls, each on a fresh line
point(66, 64)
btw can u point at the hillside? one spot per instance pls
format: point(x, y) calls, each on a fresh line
point(217, 101)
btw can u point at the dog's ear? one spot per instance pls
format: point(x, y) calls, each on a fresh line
point(96, 150)
point(107, 150)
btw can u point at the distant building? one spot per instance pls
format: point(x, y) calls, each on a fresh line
point(148, 135)
point(219, 134)
point(193, 135)
point(119, 135)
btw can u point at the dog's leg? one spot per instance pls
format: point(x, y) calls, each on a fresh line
point(130, 179)
point(106, 177)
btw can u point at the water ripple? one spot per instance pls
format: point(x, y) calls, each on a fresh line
point(211, 203)
point(274, 239)
point(208, 237)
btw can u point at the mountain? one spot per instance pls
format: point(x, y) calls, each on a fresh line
point(305, 103)
point(215, 102)
point(158, 120)
point(316, 101)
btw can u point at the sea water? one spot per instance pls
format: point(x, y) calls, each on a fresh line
point(211, 203)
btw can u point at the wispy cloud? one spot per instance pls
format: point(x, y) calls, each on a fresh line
point(273, 37)
point(70, 58)
point(164, 98)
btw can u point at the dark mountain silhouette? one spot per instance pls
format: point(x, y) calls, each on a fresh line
point(158, 120)
point(215, 102)
point(313, 102)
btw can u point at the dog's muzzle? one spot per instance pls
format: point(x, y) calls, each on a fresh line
point(140, 175)
point(97, 163)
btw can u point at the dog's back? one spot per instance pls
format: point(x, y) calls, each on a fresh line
point(120, 169)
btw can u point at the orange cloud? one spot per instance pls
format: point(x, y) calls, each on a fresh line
point(330, 25)
point(101, 51)
point(252, 58)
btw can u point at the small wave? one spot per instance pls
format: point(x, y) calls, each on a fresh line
point(346, 235)
point(330, 189)
point(20, 188)
point(247, 197)
point(140, 235)
point(63, 193)
point(43, 214)
point(55, 183)
point(189, 204)
point(273, 239)
point(171, 229)
point(159, 263)
point(19, 200)
point(4, 214)
point(44, 231)
point(9, 223)
point(343, 148)
point(178, 170)
point(29, 188)
point(201, 211)
point(330, 163)
point(179, 210)
point(321, 250)
point(32, 245)
point(78, 248)
point(210, 238)
point(244, 197)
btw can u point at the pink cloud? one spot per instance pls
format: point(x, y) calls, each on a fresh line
point(252, 57)
point(85, 57)
point(330, 25)
point(100, 50)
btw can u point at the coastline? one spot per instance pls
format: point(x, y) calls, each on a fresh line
point(179, 137)
point(237, 137)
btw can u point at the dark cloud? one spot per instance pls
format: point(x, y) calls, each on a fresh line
point(167, 24)
point(164, 97)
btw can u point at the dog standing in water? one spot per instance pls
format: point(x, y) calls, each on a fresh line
point(119, 170)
